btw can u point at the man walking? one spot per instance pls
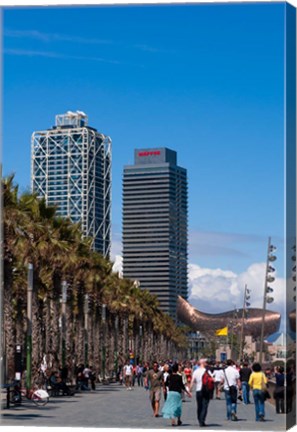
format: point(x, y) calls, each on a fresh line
point(231, 381)
point(217, 376)
point(245, 373)
point(154, 379)
point(139, 372)
point(128, 371)
point(202, 397)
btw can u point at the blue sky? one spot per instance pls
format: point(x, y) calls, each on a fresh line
point(204, 80)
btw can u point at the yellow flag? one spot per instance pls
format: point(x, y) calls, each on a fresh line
point(222, 332)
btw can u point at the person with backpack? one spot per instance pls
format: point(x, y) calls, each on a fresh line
point(204, 389)
point(231, 382)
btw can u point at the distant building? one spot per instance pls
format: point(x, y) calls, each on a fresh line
point(71, 168)
point(282, 347)
point(155, 206)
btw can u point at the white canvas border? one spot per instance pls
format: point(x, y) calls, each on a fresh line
point(18, 3)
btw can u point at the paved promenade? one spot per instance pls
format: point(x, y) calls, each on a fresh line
point(113, 406)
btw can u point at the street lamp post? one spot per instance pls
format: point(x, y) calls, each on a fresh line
point(232, 325)
point(86, 312)
point(29, 326)
point(140, 343)
point(63, 323)
point(294, 272)
point(103, 340)
point(116, 329)
point(126, 327)
point(267, 290)
point(246, 297)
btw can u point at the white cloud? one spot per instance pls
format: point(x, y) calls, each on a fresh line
point(58, 55)
point(116, 253)
point(118, 265)
point(217, 290)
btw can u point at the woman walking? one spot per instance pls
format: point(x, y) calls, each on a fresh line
point(258, 383)
point(279, 392)
point(172, 408)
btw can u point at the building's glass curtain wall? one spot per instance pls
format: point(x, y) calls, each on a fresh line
point(71, 168)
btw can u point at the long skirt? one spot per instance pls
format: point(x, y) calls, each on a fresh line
point(173, 405)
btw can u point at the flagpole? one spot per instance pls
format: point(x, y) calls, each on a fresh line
point(232, 336)
point(226, 339)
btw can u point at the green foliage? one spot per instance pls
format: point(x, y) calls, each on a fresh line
point(33, 233)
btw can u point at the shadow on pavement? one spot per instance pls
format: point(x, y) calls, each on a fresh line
point(106, 389)
point(22, 416)
point(59, 402)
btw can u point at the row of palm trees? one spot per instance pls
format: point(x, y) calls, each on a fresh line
point(34, 234)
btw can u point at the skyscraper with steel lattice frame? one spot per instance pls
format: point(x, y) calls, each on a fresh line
point(71, 168)
point(155, 244)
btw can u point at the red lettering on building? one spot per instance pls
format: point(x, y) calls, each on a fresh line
point(149, 153)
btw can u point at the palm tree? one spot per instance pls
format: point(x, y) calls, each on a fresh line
point(33, 233)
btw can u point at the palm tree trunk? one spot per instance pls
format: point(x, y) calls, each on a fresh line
point(69, 342)
point(96, 341)
point(121, 340)
point(9, 325)
point(36, 333)
point(56, 314)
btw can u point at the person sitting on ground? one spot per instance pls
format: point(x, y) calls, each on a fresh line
point(58, 384)
point(86, 376)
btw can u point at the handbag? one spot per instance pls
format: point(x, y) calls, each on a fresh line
point(279, 392)
point(264, 389)
point(232, 390)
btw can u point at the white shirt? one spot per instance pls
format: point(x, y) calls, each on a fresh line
point(128, 370)
point(218, 375)
point(165, 375)
point(197, 377)
point(86, 372)
point(232, 377)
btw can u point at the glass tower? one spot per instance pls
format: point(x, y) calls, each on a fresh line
point(155, 225)
point(71, 168)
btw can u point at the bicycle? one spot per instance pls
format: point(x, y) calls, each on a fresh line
point(39, 397)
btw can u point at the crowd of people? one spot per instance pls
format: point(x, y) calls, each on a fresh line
point(236, 382)
point(57, 379)
point(173, 381)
